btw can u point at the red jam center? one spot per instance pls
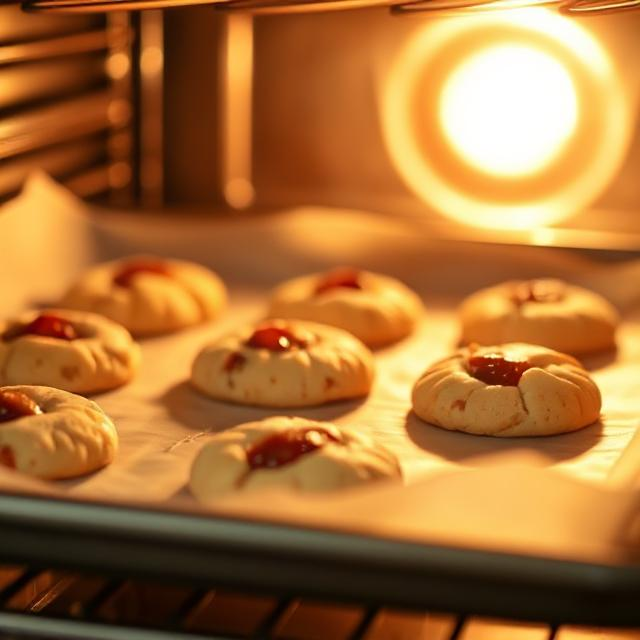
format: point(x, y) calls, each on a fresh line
point(538, 291)
point(127, 274)
point(7, 457)
point(15, 404)
point(496, 369)
point(286, 447)
point(234, 361)
point(344, 278)
point(46, 325)
point(275, 339)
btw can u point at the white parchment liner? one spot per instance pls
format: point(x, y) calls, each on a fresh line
point(47, 236)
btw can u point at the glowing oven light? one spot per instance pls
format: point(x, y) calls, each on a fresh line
point(509, 109)
point(510, 120)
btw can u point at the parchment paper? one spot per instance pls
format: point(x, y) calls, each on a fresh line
point(47, 236)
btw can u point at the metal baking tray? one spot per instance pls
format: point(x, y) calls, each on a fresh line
point(524, 534)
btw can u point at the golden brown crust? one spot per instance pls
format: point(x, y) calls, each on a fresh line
point(221, 467)
point(555, 395)
point(103, 357)
point(383, 311)
point(334, 366)
point(152, 304)
point(576, 321)
point(72, 436)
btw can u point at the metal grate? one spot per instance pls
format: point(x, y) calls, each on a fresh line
point(65, 103)
point(583, 7)
point(58, 604)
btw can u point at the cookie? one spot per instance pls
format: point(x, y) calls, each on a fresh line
point(284, 363)
point(376, 309)
point(71, 350)
point(149, 296)
point(508, 390)
point(52, 434)
point(291, 453)
point(546, 312)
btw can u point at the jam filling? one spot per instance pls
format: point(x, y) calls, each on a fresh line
point(497, 369)
point(45, 325)
point(234, 361)
point(287, 446)
point(343, 278)
point(275, 338)
point(537, 291)
point(15, 404)
point(7, 457)
point(127, 274)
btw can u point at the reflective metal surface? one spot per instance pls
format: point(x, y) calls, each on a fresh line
point(99, 6)
point(582, 7)
point(599, 7)
point(465, 6)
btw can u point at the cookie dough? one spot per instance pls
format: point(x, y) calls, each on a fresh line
point(508, 390)
point(546, 312)
point(292, 453)
point(284, 363)
point(149, 295)
point(376, 309)
point(72, 350)
point(52, 434)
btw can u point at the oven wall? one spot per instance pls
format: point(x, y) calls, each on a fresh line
point(314, 134)
point(65, 102)
point(317, 131)
point(192, 143)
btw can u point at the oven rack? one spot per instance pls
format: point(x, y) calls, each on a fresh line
point(283, 561)
point(262, 7)
point(48, 604)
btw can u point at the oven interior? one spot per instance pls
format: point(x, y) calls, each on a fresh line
point(238, 114)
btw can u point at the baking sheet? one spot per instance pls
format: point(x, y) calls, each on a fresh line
point(162, 422)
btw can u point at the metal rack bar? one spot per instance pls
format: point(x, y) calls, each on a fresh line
point(66, 605)
point(598, 7)
point(15, 582)
point(583, 7)
point(59, 47)
point(465, 6)
point(63, 629)
point(100, 6)
point(271, 621)
point(364, 626)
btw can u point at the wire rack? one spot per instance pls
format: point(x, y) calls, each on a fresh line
point(46, 603)
point(570, 7)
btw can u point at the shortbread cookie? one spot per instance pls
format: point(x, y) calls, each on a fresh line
point(508, 390)
point(284, 363)
point(376, 309)
point(148, 295)
point(291, 453)
point(71, 350)
point(52, 434)
point(546, 312)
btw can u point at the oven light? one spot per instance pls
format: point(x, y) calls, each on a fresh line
point(509, 110)
point(512, 120)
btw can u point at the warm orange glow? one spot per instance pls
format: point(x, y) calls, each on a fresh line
point(509, 109)
point(237, 123)
point(509, 120)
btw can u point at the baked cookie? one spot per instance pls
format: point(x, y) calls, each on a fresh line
point(547, 312)
point(149, 296)
point(376, 309)
point(52, 434)
point(71, 350)
point(508, 390)
point(284, 363)
point(293, 453)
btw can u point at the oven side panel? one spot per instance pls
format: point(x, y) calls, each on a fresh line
point(66, 102)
